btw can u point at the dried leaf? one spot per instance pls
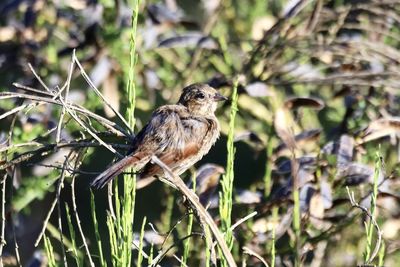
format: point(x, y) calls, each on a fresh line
point(306, 193)
point(329, 148)
point(326, 193)
point(257, 89)
point(305, 162)
point(151, 237)
point(305, 102)
point(261, 25)
point(302, 71)
point(160, 13)
point(7, 34)
point(207, 181)
point(248, 197)
point(391, 229)
point(317, 206)
point(283, 129)
point(355, 173)
point(189, 40)
point(302, 139)
point(381, 128)
point(249, 136)
point(345, 150)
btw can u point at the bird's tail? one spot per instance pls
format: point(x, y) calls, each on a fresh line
point(102, 179)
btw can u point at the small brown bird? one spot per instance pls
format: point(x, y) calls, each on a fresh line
point(179, 135)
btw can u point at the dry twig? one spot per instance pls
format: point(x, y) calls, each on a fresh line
point(199, 210)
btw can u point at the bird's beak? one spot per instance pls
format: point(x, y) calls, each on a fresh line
point(219, 97)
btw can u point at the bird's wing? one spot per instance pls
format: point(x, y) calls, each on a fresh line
point(174, 139)
point(158, 134)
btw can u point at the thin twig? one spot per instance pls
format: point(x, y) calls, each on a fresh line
point(45, 222)
point(374, 222)
point(67, 85)
point(162, 253)
point(38, 78)
point(16, 247)
point(239, 222)
point(82, 124)
point(203, 215)
point(3, 216)
point(251, 215)
point(112, 126)
point(59, 188)
point(45, 149)
point(180, 261)
point(250, 252)
point(30, 89)
point(78, 222)
point(89, 81)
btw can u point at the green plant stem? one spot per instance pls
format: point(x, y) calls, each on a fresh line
point(140, 254)
point(72, 235)
point(49, 252)
point(96, 230)
point(121, 228)
point(225, 198)
point(268, 166)
point(186, 248)
point(275, 222)
point(296, 211)
point(370, 225)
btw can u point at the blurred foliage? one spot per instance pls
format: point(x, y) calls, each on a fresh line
point(319, 93)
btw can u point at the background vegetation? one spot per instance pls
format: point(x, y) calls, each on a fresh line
point(305, 172)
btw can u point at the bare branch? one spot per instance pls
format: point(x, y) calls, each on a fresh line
point(203, 215)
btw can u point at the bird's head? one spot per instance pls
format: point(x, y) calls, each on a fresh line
point(200, 99)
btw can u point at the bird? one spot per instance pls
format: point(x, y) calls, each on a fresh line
point(179, 135)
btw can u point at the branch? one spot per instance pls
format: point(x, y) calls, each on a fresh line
point(203, 215)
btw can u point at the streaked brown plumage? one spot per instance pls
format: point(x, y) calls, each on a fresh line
point(179, 135)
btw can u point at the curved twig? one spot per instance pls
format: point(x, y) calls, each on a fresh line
point(203, 215)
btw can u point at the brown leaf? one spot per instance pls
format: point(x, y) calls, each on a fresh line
point(317, 206)
point(303, 138)
point(355, 173)
point(257, 89)
point(189, 40)
point(326, 193)
point(305, 102)
point(110, 91)
point(381, 128)
point(249, 136)
point(247, 197)
point(345, 151)
point(283, 129)
point(207, 180)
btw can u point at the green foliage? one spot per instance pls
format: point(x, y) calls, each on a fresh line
point(75, 249)
point(341, 52)
point(121, 228)
point(32, 189)
point(51, 261)
point(96, 230)
point(186, 245)
point(140, 254)
point(226, 195)
point(369, 227)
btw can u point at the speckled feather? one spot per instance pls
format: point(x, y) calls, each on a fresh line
point(180, 135)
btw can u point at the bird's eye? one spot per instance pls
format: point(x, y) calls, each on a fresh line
point(200, 96)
